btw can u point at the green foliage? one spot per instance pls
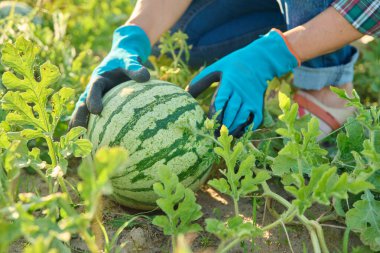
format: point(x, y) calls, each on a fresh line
point(27, 99)
point(239, 181)
point(173, 69)
point(179, 205)
point(301, 151)
point(350, 141)
point(32, 115)
point(360, 141)
point(364, 219)
point(95, 174)
point(52, 217)
point(233, 229)
point(367, 73)
point(324, 184)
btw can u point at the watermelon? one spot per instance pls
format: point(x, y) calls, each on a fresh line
point(152, 121)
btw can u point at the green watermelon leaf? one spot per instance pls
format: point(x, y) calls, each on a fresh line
point(364, 219)
point(233, 228)
point(239, 180)
point(178, 203)
point(34, 109)
point(71, 144)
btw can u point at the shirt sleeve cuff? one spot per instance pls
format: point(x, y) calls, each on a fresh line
point(363, 15)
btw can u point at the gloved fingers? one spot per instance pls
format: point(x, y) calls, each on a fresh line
point(135, 70)
point(140, 75)
point(219, 102)
point(241, 129)
point(80, 116)
point(128, 65)
point(244, 117)
point(100, 85)
point(231, 111)
point(202, 81)
point(95, 94)
point(116, 76)
point(221, 96)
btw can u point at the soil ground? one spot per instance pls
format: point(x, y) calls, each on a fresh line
point(144, 237)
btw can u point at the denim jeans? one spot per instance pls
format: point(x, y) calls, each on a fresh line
point(219, 27)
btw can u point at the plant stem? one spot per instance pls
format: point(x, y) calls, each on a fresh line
point(89, 241)
point(329, 217)
point(317, 241)
point(50, 183)
point(210, 137)
point(227, 247)
point(107, 247)
point(61, 182)
point(333, 226)
point(236, 207)
point(256, 151)
point(269, 193)
point(41, 174)
point(314, 240)
point(96, 224)
point(52, 154)
point(254, 221)
point(234, 195)
point(287, 237)
point(119, 231)
point(174, 243)
point(49, 138)
point(288, 214)
point(299, 163)
point(345, 240)
point(320, 235)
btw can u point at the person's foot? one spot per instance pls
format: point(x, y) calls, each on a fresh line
point(326, 106)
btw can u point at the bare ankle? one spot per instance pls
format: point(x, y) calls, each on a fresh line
point(329, 98)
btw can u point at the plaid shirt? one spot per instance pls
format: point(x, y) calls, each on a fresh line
point(364, 15)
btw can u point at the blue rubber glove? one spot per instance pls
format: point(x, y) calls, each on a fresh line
point(130, 48)
point(242, 77)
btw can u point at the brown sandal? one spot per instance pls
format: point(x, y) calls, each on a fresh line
point(330, 118)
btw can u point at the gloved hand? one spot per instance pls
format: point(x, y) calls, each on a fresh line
point(242, 77)
point(130, 48)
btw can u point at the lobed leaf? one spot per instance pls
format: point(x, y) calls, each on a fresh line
point(20, 57)
point(178, 204)
point(364, 218)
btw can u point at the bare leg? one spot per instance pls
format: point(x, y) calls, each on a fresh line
point(329, 98)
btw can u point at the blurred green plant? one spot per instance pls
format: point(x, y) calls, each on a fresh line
point(49, 222)
point(367, 72)
point(172, 65)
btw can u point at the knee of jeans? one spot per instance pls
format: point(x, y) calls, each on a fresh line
point(183, 23)
point(298, 12)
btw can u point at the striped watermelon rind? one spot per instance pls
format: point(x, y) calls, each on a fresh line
point(151, 120)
